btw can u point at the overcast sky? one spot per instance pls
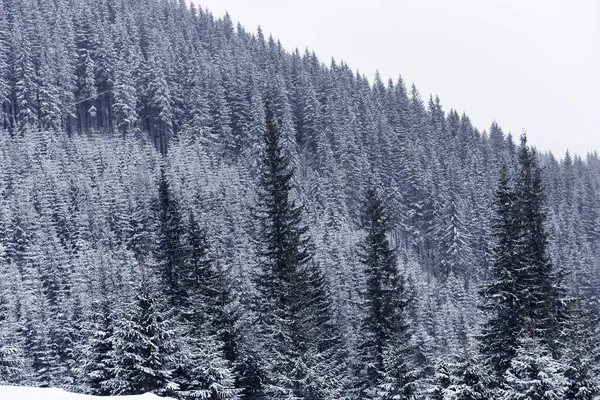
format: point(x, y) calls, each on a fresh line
point(532, 65)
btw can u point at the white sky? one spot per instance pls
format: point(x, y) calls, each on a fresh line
point(528, 64)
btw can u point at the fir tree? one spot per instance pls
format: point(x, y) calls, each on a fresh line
point(505, 322)
point(293, 308)
point(143, 354)
point(385, 350)
point(95, 368)
point(169, 251)
point(533, 374)
point(11, 354)
point(524, 296)
point(580, 355)
point(540, 291)
point(211, 342)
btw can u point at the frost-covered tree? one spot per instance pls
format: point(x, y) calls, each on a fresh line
point(386, 354)
point(170, 251)
point(143, 354)
point(95, 365)
point(505, 322)
point(533, 374)
point(297, 337)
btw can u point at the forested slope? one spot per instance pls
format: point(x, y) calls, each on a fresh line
point(132, 173)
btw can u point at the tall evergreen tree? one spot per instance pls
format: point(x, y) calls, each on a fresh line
point(523, 298)
point(11, 354)
point(541, 289)
point(504, 325)
point(533, 374)
point(207, 371)
point(169, 251)
point(580, 355)
point(95, 368)
point(386, 356)
point(297, 337)
point(143, 354)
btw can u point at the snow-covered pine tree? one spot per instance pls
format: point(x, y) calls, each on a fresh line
point(144, 350)
point(524, 297)
point(95, 366)
point(533, 374)
point(539, 287)
point(580, 355)
point(498, 340)
point(386, 355)
point(201, 370)
point(11, 353)
point(170, 250)
point(206, 366)
point(124, 89)
point(23, 113)
point(295, 329)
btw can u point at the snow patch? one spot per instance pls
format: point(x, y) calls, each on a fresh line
point(33, 393)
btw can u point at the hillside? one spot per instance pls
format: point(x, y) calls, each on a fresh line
point(137, 218)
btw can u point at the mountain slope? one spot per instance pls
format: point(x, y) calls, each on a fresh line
point(99, 97)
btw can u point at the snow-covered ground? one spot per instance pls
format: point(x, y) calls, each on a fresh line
point(30, 393)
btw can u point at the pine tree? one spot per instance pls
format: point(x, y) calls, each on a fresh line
point(124, 107)
point(505, 322)
point(95, 367)
point(580, 355)
point(199, 279)
point(169, 251)
point(297, 337)
point(24, 116)
point(202, 370)
point(11, 354)
point(208, 369)
point(523, 298)
point(41, 352)
point(541, 289)
point(143, 354)
point(385, 350)
point(533, 374)
point(467, 383)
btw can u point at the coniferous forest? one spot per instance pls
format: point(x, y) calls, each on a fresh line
point(191, 210)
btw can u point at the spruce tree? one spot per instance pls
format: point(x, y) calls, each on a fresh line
point(199, 279)
point(533, 374)
point(504, 325)
point(540, 281)
point(169, 251)
point(206, 370)
point(523, 298)
point(296, 333)
point(581, 355)
point(94, 365)
point(11, 353)
point(386, 355)
point(143, 354)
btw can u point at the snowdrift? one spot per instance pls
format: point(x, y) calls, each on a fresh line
point(31, 393)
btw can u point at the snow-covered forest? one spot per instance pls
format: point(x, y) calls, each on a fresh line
point(188, 209)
